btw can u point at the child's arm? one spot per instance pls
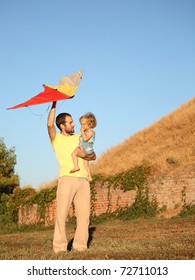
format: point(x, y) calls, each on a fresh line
point(87, 136)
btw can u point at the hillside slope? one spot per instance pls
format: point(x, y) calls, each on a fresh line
point(168, 145)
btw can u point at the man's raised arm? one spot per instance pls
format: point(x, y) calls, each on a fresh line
point(50, 122)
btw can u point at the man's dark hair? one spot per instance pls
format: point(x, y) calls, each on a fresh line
point(61, 119)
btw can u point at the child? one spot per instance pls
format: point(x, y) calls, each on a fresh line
point(87, 138)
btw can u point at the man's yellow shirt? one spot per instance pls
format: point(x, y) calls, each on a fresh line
point(63, 147)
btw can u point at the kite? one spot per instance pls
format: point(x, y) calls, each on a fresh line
point(66, 89)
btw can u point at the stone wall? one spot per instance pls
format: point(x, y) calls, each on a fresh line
point(170, 193)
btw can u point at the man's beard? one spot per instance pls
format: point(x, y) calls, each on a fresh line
point(69, 131)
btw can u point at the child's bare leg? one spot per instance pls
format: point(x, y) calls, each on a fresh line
point(75, 161)
point(89, 172)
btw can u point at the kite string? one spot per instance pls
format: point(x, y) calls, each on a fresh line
point(34, 114)
point(47, 109)
point(61, 104)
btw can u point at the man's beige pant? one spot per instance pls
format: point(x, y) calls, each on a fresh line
point(77, 190)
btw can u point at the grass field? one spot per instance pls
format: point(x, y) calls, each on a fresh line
point(141, 239)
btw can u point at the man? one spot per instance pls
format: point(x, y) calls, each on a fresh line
point(71, 186)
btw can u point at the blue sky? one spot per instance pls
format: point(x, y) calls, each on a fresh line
point(138, 58)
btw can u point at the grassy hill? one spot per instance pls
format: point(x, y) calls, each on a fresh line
point(168, 145)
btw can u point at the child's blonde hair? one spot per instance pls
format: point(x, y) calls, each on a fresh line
point(90, 119)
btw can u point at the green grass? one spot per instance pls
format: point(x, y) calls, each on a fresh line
point(140, 239)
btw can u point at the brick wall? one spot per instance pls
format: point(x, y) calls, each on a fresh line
point(168, 191)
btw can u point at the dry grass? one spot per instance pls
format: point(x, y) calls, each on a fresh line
point(48, 185)
point(156, 239)
point(167, 144)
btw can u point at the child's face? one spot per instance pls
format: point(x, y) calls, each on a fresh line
point(84, 124)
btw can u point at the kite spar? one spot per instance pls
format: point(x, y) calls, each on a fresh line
point(66, 89)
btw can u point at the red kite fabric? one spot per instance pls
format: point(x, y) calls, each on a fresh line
point(66, 89)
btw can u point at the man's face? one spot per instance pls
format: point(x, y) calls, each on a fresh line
point(69, 125)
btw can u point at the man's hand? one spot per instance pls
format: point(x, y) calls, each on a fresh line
point(90, 157)
point(81, 154)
